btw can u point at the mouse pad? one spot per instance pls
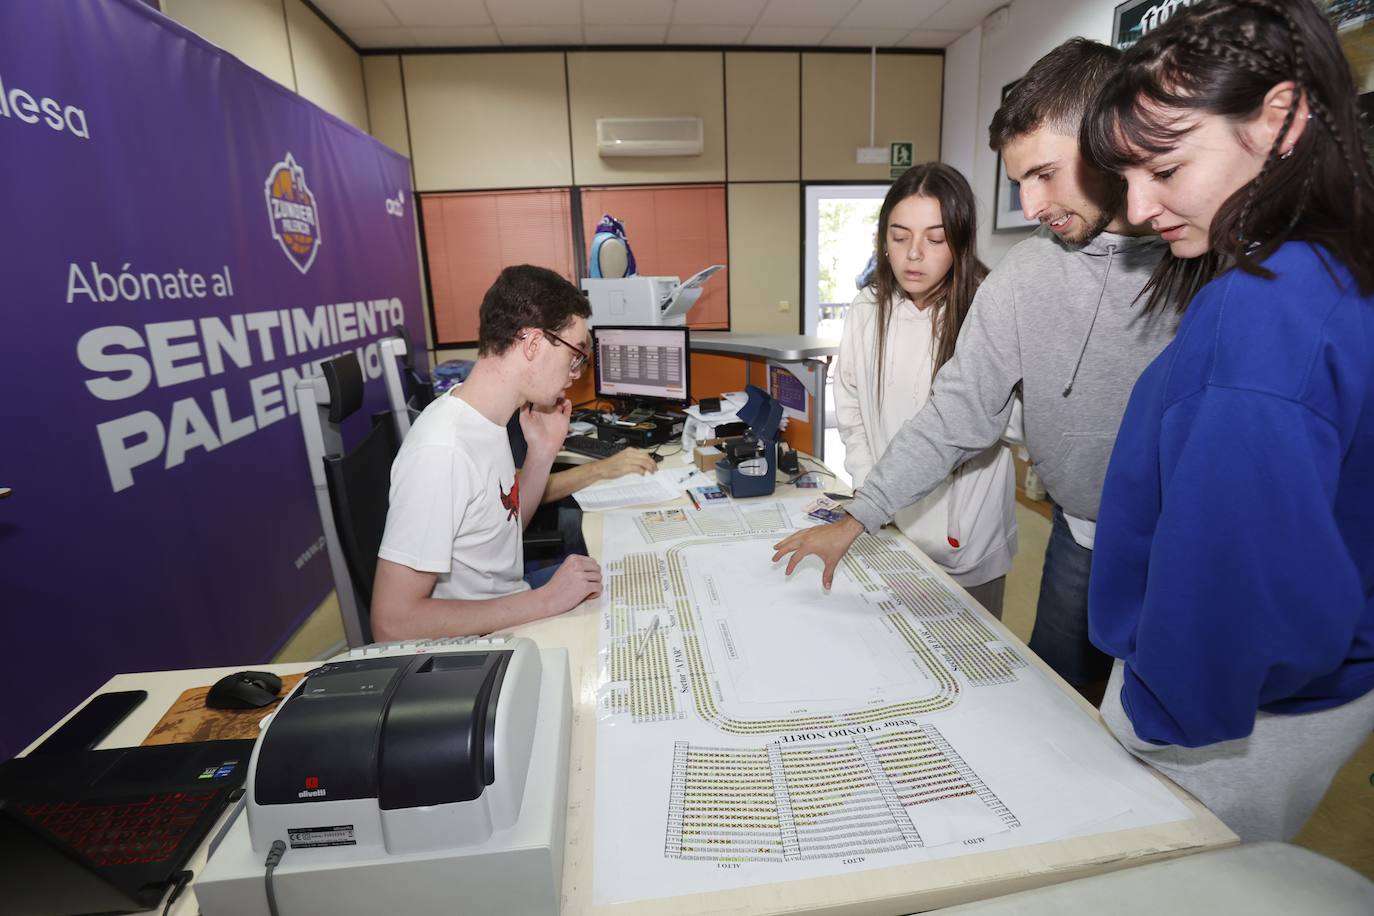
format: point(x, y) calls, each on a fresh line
point(190, 720)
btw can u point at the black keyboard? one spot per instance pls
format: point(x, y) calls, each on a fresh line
point(128, 831)
point(592, 447)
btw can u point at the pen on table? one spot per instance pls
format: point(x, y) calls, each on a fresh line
point(693, 498)
point(644, 640)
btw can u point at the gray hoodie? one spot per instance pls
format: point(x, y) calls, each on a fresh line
point(1062, 325)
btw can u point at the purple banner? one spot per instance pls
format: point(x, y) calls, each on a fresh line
point(181, 240)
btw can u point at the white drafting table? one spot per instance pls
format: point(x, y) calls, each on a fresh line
point(904, 889)
point(813, 354)
point(892, 891)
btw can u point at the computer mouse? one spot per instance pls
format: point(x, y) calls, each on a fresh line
point(244, 690)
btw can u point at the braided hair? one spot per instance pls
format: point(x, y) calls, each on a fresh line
point(1221, 58)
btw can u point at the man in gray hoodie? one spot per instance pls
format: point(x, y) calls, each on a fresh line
point(1057, 322)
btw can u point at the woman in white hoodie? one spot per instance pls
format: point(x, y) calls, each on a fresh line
point(898, 332)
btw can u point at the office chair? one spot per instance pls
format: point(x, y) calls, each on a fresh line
point(351, 488)
point(399, 373)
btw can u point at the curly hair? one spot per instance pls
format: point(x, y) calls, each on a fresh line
point(525, 296)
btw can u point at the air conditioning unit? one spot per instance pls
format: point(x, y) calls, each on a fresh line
point(649, 136)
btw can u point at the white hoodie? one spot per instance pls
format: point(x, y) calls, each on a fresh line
point(968, 523)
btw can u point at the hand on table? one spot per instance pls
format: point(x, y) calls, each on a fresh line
point(629, 461)
point(546, 428)
point(578, 579)
point(829, 542)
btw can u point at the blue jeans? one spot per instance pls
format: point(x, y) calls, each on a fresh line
point(539, 572)
point(1060, 635)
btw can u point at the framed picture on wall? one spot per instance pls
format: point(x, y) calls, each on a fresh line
point(1134, 19)
point(1006, 197)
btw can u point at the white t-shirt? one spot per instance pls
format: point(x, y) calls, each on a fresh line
point(968, 523)
point(455, 504)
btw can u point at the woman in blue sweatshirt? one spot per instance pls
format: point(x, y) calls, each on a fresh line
point(1234, 574)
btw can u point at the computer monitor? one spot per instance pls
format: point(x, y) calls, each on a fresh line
point(642, 363)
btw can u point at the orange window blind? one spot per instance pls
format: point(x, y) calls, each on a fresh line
point(673, 231)
point(470, 238)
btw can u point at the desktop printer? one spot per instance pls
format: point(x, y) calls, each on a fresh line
point(416, 779)
point(644, 300)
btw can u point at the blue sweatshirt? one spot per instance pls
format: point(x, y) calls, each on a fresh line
point(1234, 562)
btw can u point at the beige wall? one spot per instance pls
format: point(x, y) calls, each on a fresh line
point(835, 106)
point(502, 120)
point(328, 71)
point(763, 114)
point(765, 257)
point(286, 41)
point(646, 85)
point(254, 31)
point(386, 108)
point(487, 120)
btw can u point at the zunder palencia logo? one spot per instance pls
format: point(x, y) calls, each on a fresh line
point(293, 213)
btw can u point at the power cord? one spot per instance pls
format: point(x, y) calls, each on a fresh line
point(274, 857)
point(183, 879)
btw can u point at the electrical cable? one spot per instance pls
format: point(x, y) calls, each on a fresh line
point(274, 857)
point(183, 878)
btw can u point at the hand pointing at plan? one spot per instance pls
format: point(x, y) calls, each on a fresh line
point(829, 542)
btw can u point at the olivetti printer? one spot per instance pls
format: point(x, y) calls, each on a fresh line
point(415, 778)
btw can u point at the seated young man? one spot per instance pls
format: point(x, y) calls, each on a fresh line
point(450, 563)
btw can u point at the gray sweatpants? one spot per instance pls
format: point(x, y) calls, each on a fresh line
point(1265, 786)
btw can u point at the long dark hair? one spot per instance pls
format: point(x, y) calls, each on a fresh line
point(1221, 58)
point(949, 301)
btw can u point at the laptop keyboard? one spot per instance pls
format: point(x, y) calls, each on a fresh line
point(142, 830)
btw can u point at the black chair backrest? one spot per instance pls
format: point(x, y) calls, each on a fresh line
point(359, 480)
point(359, 489)
point(344, 376)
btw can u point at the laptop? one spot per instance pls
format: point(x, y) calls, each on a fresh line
point(109, 831)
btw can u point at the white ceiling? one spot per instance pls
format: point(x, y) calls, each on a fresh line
point(506, 23)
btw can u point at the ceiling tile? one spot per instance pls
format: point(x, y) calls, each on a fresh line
point(540, 13)
point(961, 15)
point(540, 35)
point(382, 38)
point(362, 14)
point(707, 34)
point(627, 12)
point(445, 37)
point(717, 12)
point(928, 38)
point(625, 34)
point(440, 12)
point(764, 35)
point(890, 14)
point(802, 13)
point(863, 38)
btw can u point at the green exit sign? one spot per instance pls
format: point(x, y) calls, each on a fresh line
point(900, 158)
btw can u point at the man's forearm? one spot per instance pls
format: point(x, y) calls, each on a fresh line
point(431, 618)
point(534, 478)
point(566, 482)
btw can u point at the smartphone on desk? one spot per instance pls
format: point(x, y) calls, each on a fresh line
point(840, 497)
point(92, 722)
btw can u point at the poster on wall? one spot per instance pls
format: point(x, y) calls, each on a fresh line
point(184, 240)
point(1006, 198)
point(1133, 20)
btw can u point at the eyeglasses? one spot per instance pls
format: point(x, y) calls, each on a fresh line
point(580, 360)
